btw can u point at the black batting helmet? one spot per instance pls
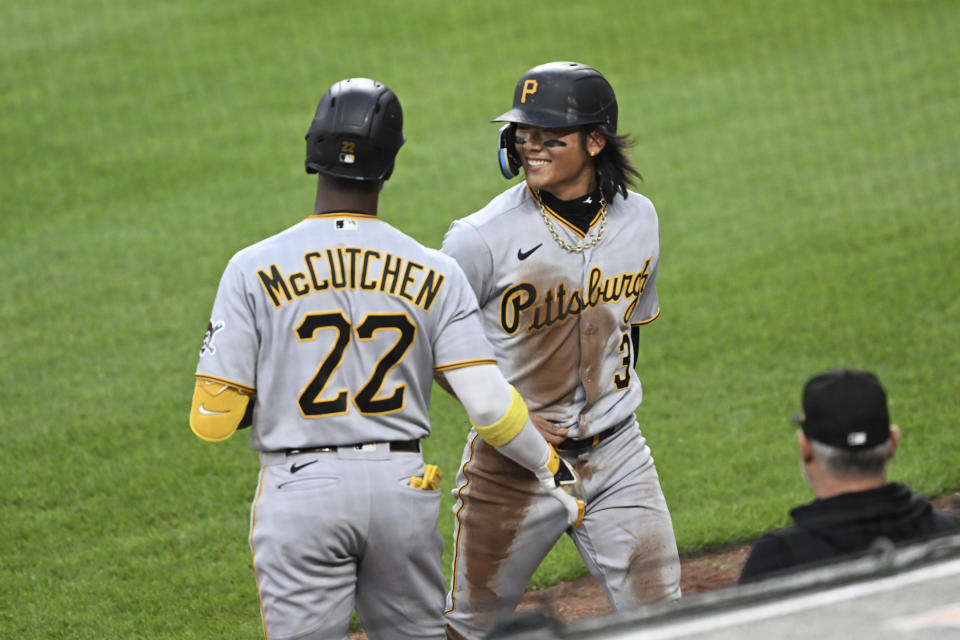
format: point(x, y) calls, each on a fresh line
point(356, 132)
point(563, 94)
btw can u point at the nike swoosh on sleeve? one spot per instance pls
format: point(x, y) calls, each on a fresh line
point(208, 412)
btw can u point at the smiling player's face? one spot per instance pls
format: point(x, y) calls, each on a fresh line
point(556, 160)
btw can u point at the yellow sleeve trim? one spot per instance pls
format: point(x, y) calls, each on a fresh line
point(464, 363)
point(648, 320)
point(506, 428)
point(229, 383)
point(217, 409)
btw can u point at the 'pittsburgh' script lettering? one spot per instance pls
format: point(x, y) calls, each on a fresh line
point(558, 304)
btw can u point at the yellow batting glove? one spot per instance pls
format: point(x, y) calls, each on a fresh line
point(430, 479)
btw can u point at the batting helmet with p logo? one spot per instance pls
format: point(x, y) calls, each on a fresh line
point(563, 94)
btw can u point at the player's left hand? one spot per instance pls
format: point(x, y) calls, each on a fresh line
point(550, 432)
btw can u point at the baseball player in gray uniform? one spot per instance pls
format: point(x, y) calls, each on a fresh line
point(564, 266)
point(325, 339)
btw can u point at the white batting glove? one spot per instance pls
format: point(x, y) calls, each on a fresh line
point(558, 477)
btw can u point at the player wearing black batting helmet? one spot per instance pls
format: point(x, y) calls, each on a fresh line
point(560, 95)
point(564, 266)
point(563, 94)
point(356, 132)
point(325, 340)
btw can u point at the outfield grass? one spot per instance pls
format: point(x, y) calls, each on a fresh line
point(802, 156)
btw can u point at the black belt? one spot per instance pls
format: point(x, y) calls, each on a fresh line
point(397, 445)
point(585, 443)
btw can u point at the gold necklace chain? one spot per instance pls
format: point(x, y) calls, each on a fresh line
point(556, 236)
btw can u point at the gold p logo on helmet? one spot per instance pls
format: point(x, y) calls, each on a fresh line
point(529, 87)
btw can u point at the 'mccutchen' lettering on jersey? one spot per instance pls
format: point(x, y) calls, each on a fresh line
point(353, 268)
point(559, 304)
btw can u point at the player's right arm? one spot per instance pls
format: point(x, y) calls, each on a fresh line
point(500, 416)
point(226, 370)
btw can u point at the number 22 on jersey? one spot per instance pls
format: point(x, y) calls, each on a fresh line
point(313, 404)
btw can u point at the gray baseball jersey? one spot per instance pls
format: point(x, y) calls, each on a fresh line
point(338, 325)
point(559, 321)
point(560, 324)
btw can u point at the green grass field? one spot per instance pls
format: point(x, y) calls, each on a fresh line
point(803, 157)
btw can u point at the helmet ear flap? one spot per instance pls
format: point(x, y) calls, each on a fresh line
point(509, 160)
point(386, 176)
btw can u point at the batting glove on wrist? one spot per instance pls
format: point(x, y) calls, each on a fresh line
point(558, 478)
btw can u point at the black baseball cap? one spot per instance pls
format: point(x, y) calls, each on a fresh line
point(845, 408)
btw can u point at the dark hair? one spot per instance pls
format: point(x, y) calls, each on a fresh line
point(615, 171)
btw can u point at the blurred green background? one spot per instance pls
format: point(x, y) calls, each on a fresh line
point(803, 157)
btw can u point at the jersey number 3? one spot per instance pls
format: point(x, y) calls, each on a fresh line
point(622, 381)
point(366, 400)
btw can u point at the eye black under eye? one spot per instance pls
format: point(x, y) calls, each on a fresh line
point(554, 143)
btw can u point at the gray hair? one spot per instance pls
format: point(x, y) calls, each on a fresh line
point(846, 463)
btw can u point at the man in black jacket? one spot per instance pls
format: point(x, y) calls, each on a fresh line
point(845, 440)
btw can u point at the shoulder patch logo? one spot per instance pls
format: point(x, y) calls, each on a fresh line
point(212, 328)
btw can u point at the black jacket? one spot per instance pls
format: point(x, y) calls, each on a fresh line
point(846, 524)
